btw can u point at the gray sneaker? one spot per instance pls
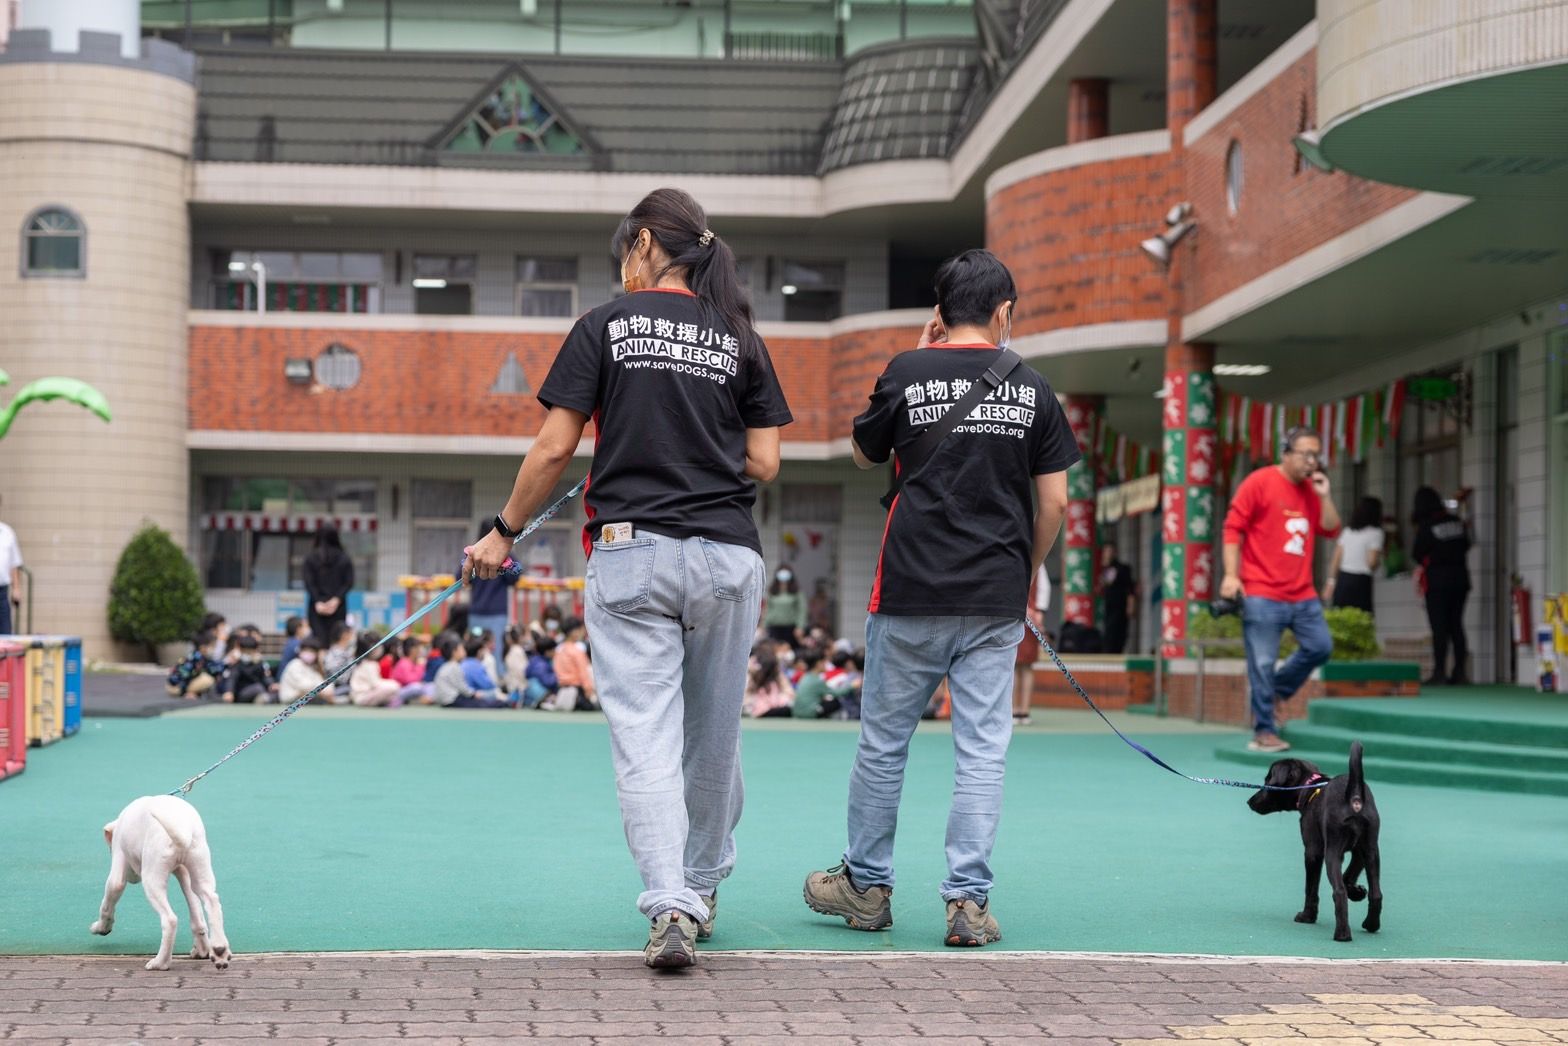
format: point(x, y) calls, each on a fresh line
point(969, 924)
point(833, 892)
point(705, 930)
point(672, 941)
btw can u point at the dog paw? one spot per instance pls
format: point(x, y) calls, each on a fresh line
point(1355, 893)
point(101, 927)
point(155, 964)
point(1372, 925)
point(1341, 935)
point(221, 957)
point(201, 951)
point(1306, 917)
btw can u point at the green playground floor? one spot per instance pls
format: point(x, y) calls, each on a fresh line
point(352, 829)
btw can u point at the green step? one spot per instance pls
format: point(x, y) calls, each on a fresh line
point(1412, 720)
point(1397, 771)
point(1404, 747)
point(1148, 709)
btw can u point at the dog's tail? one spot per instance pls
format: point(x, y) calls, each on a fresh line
point(181, 841)
point(1356, 787)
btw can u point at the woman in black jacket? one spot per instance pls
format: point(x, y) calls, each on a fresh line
point(329, 574)
point(1442, 539)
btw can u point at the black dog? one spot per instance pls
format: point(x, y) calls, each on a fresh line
point(1336, 817)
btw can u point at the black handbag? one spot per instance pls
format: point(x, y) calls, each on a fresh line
point(1002, 366)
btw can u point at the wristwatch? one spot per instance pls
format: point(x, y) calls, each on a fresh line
point(506, 531)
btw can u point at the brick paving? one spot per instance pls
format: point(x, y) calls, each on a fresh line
point(945, 999)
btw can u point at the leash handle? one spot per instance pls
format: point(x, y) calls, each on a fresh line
point(392, 633)
point(1224, 782)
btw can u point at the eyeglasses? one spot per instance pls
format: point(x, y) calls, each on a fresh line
point(1310, 455)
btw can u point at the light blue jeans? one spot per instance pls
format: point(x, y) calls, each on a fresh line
point(671, 623)
point(906, 658)
point(1263, 621)
point(495, 624)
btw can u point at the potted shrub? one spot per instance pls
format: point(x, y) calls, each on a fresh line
point(155, 598)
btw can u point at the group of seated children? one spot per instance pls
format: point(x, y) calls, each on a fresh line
point(544, 666)
point(810, 684)
point(223, 663)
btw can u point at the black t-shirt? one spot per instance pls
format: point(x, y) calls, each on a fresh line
point(672, 393)
point(1441, 544)
point(1116, 584)
point(960, 535)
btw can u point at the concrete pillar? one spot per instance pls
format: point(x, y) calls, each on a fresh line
point(1088, 109)
point(1188, 526)
point(1078, 564)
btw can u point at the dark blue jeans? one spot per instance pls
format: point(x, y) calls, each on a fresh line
point(5, 610)
point(1263, 622)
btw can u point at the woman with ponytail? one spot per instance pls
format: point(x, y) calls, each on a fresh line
point(687, 412)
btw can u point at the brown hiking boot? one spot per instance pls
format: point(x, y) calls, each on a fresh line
point(833, 892)
point(970, 925)
point(705, 929)
point(672, 941)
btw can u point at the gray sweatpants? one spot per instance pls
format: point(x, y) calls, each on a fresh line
point(670, 623)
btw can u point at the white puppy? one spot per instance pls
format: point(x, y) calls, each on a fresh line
point(155, 837)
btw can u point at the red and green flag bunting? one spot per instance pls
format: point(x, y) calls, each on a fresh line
point(1251, 431)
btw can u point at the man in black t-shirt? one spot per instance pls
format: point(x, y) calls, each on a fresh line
point(961, 542)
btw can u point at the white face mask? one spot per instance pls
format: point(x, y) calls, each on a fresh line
point(786, 577)
point(308, 656)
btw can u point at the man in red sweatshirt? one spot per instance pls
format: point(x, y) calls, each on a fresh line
point(1270, 532)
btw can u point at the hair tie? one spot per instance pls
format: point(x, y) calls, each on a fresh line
point(706, 238)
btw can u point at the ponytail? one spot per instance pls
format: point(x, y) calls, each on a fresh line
point(680, 226)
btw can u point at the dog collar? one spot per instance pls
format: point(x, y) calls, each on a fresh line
point(1306, 797)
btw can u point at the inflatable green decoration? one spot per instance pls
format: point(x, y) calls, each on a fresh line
point(77, 392)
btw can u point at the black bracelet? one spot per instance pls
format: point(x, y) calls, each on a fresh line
point(501, 525)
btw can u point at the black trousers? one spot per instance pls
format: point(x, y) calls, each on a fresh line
point(1445, 611)
point(321, 626)
point(1115, 631)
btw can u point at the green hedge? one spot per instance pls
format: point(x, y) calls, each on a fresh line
point(155, 596)
point(1353, 632)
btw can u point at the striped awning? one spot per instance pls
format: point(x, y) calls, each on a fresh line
point(283, 523)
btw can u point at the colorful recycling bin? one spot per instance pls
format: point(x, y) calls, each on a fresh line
point(13, 709)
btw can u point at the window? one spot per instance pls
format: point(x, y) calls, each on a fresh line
point(444, 284)
point(257, 531)
point(1429, 447)
point(813, 291)
point(53, 244)
point(514, 120)
point(1233, 177)
point(546, 286)
point(443, 514)
point(338, 367)
point(297, 281)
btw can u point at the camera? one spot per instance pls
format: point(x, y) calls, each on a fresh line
point(1222, 606)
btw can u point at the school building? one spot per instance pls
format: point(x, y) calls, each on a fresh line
point(318, 255)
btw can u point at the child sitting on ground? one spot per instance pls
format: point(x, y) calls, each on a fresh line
point(573, 671)
point(434, 662)
point(294, 630)
point(252, 676)
point(768, 693)
point(201, 669)
point(366, 684)
point(541, 682)
point(452, 689)
point(476, 671)
point(303, 675)
point(341, 652)
point(409, 672)
point(815, 698)
point(514, 662)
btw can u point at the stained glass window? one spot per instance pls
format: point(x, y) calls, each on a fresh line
point(514, 120)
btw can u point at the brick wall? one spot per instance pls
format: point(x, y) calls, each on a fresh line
point(1225, 697)
point(1111, 688)
point(1287, 206)
point(437, 382)
point(1071, 239)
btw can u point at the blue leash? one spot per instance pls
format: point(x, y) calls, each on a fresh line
point(1156, 760)
point(510, 571)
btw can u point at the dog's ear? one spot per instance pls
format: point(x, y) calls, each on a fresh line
point(108, 834)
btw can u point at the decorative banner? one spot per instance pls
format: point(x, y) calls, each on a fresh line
point(1256, 431)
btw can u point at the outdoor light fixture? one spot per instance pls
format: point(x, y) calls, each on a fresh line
point(297, 370)
point(1310, 145)
point(1159, 247)
point(431, 283)
point(1241, 370)
point(788, 288)
point(255, 266)
point(235, 266)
